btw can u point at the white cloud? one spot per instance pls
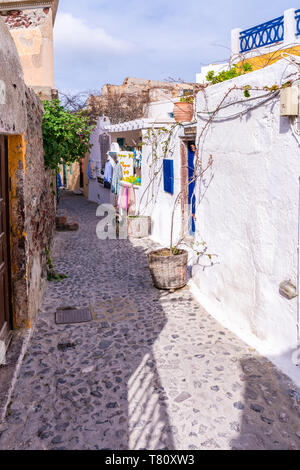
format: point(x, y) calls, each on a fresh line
point(74, 34)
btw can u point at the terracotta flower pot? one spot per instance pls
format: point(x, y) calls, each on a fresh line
point(168, 272)
point(183, 112)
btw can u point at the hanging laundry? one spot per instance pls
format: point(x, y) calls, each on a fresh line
point(89, 170)
point(108, 174)
point(104, 141)
point(139, 159)
point(99, 172)
point(59, 181)
point(131, 201)
point(112, 161)
point(123, 199)
point(65, 175)
point(116, 179)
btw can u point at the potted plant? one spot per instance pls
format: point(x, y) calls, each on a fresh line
point(168, 268)
point(138, 226)
point(184, 108)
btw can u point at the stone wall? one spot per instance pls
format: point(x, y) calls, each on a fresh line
point(32, 214)
point(39, 204)
point(132, 99)
point(31, 197)
point(158, 90)
point(15, 19)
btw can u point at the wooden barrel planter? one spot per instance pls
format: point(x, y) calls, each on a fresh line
point(183, 112)
point(168, 272)
point(138, 226)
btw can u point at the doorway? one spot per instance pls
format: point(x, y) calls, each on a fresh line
point(191, 187)
point(5, 300)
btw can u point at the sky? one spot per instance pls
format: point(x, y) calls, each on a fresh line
point(105, 41)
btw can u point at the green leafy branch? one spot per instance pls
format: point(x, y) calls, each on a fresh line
point(233, 72)
point(66, 135)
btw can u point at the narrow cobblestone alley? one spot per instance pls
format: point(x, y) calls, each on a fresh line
point(152, 371)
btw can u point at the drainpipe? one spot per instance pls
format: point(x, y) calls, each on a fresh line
point(290, 29)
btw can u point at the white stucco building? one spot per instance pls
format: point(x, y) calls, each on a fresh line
point(248, 213)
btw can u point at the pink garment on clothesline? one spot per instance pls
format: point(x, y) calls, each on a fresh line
point(127, 200)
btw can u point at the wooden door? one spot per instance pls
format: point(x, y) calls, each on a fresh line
point(5, 320)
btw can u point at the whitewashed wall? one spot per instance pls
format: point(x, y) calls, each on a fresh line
point(249, 216)
point(159, 111)
point(151, 197)
point(217, 68)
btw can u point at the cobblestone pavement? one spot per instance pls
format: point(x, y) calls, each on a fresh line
point(152, 371)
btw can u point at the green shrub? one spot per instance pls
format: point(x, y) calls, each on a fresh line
point(66, 135)
point(234, 71)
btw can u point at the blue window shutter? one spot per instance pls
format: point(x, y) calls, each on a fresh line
point(169, 176)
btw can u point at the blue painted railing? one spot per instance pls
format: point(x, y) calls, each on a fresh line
point(297, 16)
point(263, 35)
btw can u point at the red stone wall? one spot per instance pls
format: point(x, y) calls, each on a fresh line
point(25, 18)
point(33, 220)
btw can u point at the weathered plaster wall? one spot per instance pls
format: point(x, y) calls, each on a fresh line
point(157, 90)
point(13, 118)
point(85, 177)
point(32, 31)
point(73, 176)
point(248, 214)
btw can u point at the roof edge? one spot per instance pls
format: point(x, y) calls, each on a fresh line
point(28, 4)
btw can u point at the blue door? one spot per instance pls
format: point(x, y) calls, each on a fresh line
point(191, 195)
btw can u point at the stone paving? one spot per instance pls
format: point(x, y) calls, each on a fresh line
point(152, 371)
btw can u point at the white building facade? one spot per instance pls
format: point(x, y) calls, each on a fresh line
point(248, 212)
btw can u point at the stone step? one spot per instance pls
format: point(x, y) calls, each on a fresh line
point(61, 217)
point(71, 225)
